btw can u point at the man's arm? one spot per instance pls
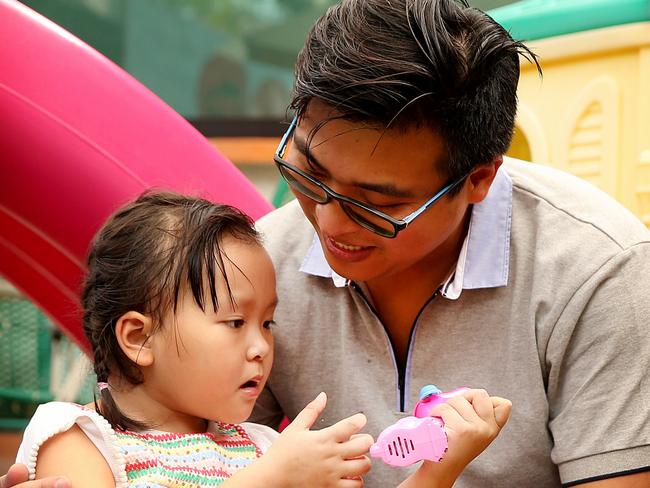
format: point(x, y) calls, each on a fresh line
point(598, 388)
point(638, 480)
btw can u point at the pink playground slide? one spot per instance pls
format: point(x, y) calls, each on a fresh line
point(79, 137)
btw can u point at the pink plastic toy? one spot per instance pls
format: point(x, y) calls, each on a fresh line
point(430, 396)
point(410, 440)
point(416, 438)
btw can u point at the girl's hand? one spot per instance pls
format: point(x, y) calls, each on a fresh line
point(331, 457)
point(472, 420)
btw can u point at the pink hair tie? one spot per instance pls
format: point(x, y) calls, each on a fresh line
point(102, 385)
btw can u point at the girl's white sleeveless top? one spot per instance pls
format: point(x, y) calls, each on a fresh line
point(249, 440)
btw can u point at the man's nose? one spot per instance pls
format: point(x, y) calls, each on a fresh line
point(333, 220)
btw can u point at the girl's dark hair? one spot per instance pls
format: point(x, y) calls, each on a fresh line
point(405, 63)
point(142, 259)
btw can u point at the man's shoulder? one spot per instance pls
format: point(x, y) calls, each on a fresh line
point(286, 215)
point(566, 198)
point(286, 231)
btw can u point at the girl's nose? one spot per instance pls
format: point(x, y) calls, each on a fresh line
point(260, 346)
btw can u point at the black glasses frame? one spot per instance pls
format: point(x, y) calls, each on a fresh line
point(397, 224)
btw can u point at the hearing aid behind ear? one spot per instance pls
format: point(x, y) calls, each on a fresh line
point(418, 437)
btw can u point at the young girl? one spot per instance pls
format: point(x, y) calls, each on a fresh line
point(178, 308)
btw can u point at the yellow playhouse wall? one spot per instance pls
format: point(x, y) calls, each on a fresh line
point(590, 114)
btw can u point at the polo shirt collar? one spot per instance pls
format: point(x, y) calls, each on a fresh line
point(484, 258)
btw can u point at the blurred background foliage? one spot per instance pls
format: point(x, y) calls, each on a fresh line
point(208, 59)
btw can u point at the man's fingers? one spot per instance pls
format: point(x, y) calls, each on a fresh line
point(358, 445)
point(47, 483)
point(482, 404)
point(489, 409)
point(18, 473)
point(502, 409)
point(464, 407)
point(343, 429)
point(306, 418)
point(448, 414)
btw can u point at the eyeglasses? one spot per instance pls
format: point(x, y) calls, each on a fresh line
point(367, 217)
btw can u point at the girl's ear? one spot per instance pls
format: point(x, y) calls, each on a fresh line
point(133, 331)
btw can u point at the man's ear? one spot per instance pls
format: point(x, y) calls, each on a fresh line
point(133, 331)
point(480, 180)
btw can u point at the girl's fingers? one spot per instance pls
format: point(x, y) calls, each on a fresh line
point(344, 429)
point(306, 418)
point(355, 468)
point(358, 445)
point(356, 482)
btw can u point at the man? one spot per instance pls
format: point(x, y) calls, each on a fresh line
point(415, 255)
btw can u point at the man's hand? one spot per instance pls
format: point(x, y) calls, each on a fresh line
point(472, 420)
point(18, 476)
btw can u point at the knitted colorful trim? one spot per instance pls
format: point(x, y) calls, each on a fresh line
point(186, 460)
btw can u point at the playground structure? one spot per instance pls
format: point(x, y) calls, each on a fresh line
point(81, 137)
point(590, 114)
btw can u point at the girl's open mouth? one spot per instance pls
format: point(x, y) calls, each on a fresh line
point(250, 384)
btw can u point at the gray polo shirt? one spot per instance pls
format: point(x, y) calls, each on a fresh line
point(548, 307)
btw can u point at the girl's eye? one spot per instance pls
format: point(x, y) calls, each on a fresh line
point(235, 323)
point(269, 324)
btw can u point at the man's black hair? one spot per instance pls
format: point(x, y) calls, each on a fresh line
point(406, 63)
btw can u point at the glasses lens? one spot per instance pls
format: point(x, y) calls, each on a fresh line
point(369, 220)
point(303, 185)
